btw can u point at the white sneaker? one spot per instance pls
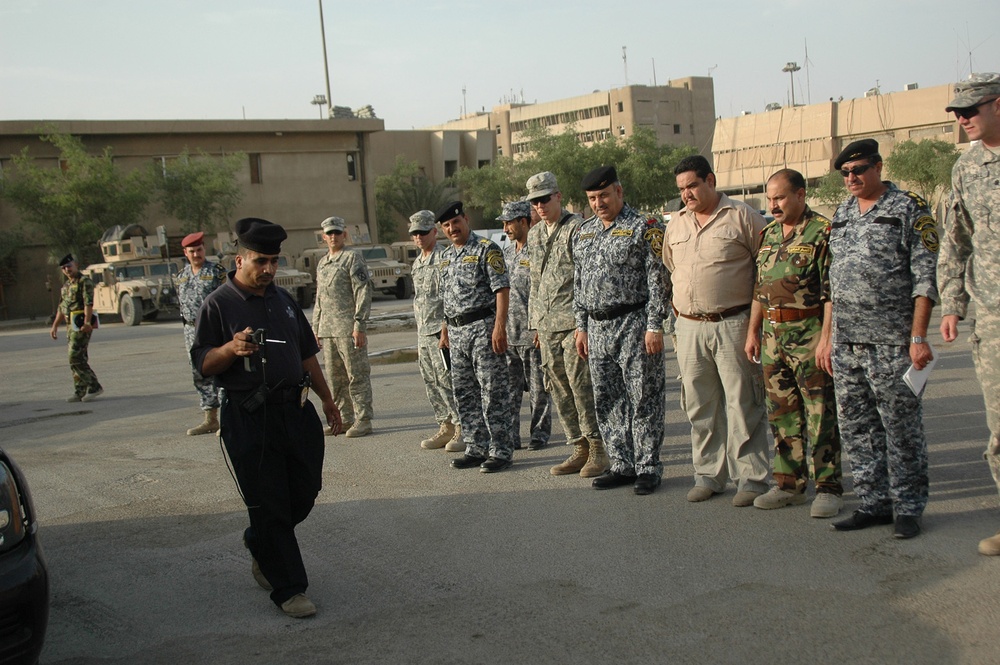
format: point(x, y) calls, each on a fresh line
point(778, 498)
point(826, 505)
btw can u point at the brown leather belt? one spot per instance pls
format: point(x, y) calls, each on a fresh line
point(715, 317)
point(786, 314)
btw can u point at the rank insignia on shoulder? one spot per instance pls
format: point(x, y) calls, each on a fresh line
point(917, 199)
point(484, 241)
point(621, 233)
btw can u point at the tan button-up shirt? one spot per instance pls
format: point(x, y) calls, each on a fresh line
point(713, 266)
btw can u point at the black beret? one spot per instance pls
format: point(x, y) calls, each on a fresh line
point(448, 211)
point(599, 178)
point(260, 235)
point(66, 260)
point(857, 150)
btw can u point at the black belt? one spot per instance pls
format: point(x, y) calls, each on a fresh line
point(715, 317)
point(615, 312)
point(469, 317)
point(281, 395)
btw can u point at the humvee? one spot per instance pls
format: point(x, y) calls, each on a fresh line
point(388, 275)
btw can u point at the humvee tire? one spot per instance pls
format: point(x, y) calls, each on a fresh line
point(130, 308)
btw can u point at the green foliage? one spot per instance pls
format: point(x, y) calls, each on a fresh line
point(11, 241)
point(201, 191)
point(830, 190)
point(924, 166)
point(71, 206)
point(403, 192)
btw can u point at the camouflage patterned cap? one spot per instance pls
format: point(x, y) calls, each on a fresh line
point(421, 221)
point(975, 89)
point(541, 184)
point(333, 224)
point(515, 210)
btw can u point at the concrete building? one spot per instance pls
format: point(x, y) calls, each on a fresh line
point(750, 147)
point(297, 173)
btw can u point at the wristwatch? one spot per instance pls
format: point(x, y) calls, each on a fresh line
point(917, 340)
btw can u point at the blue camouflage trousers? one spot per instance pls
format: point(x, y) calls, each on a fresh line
point(481, 384)
point(881, 428)
point(629, 393)
point(208, 394)
point(525, 366)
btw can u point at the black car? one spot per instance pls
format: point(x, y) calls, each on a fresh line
point(24, 579)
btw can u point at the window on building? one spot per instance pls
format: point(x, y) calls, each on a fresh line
point(450, 167)
point(255, 170)
point(677, 129)
point(498, 131)
point(352, 171)
point(621, 130)
point(621, 107)
point(484, 162)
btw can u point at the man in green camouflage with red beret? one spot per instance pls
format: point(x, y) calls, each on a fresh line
point(792, 306)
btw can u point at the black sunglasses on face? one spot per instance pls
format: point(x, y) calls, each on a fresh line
point(419, 233)
point(542, 200)
point(972, 111)
point(856, 170)
point(334, 233)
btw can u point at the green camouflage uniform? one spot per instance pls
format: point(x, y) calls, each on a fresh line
point(792, 273)
point(969, 265)
point(76, 295)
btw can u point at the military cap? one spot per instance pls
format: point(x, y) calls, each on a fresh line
point(541, 184)
point(857, 150)
point(599, 178)
point(515, 210)
point(66, 260)
point(974, 90)
point(260, 235)
point(448, 211)
point(333, 224)
point(421, 221)
point(193, 239)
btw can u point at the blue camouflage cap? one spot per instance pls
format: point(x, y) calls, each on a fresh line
point(515, 210)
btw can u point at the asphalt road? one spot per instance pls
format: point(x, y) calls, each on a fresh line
point(411, 561)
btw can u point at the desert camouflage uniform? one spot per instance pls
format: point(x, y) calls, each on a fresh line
point(524, 361)
point(191, 292)
point(428, 310)
point(969, 265)
point(880, 261)
point(550, 312)
point(470, 277)
point(619, 266)
point(74, 297)
point(343, 305)
point(792, 274)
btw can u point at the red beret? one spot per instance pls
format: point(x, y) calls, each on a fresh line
point(193, 239)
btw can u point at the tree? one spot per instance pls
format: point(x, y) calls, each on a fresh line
point(403, 192)
point(202, 192)
point(925, 166)
point(11, 241)
point(830, 190)
point(71, 204)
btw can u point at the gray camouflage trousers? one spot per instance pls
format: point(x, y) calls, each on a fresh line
point(629, 392)
point(481, 384)
point(881, 428)
point(349, 374)
point(208, 394)
point(524, 363)
point(437, 379)
point(985, 339)
point(567, 379)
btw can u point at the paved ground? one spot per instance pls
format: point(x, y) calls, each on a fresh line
point(411, 561)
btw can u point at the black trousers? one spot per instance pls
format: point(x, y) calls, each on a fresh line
point(277, 455)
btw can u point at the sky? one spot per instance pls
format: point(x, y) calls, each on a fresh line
point(257, 59)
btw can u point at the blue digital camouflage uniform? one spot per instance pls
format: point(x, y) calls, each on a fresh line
point(620, 267)
point(969, 266)
point(470, 277)
point(524, 361)
point(428, 311)
point(191, 292)
point(74, 296)
point(880, 261)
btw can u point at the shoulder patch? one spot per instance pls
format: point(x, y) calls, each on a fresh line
point(587, 236)
point(654, 236)
point(927, 228)
point(494, 258)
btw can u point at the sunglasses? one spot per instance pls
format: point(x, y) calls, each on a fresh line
point(333, 233)
point(419, 233)
point(855, 170)
point(542, 200)
point(972, 111)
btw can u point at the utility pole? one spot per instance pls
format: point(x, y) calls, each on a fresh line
point(625, 61)
point(326, 65)
point(791, 68)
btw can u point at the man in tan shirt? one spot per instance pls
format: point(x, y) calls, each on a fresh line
point(710, 248)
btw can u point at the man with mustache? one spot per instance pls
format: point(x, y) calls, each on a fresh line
point(883, 246)
point(710, 248)
point(792, 302)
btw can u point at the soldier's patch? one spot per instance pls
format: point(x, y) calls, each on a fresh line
point(495, 260)
point(587, 236)
point(525, 262)
point(361, 275)
point(484, 241)
point(917, 199)
point(470, 259)
point(444, 263)
point(928, 233)
point(621, 233)
point(654, 236)
point(808, 250)
point(764, 248)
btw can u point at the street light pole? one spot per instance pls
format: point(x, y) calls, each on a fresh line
point(326, 64)
point(791, 68)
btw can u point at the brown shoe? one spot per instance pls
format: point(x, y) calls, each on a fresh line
point(211, 424)
point(258, 576)
point(575, 462)
point(990, 546)
point(597, 461)
point(298, 607)
point(698, 494)
point(444, 434)
point(745, 498)
point(456, 445)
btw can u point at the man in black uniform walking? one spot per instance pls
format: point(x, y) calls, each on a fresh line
point(254, 339)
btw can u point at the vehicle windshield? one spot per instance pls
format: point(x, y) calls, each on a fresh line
point(374, 253)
